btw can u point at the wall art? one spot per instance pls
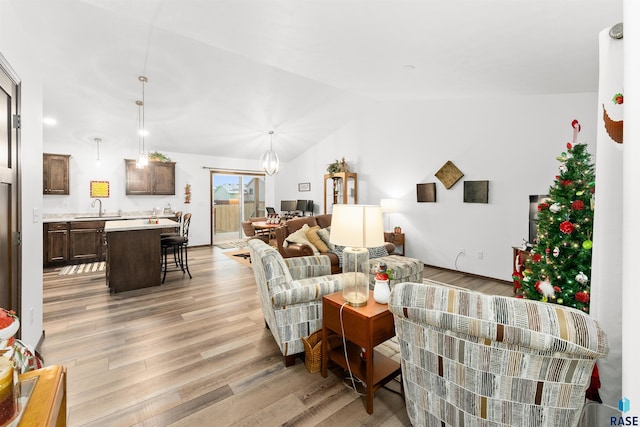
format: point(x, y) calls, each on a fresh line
point(449, 174)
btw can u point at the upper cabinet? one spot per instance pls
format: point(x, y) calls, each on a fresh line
point(157, 178)
point(55, 173)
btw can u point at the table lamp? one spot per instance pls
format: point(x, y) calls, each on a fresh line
point(357, 227)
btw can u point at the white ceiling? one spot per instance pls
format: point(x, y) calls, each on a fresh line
point(222, 73)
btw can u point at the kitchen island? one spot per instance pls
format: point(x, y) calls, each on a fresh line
point(133, 253)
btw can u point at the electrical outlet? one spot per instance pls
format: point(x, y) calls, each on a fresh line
point(480, 255)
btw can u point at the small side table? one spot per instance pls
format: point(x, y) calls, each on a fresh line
point(364, 327)
point(398, 240)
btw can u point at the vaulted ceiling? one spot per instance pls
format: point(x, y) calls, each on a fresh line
point(222, 73)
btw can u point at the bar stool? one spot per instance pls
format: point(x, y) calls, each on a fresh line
point(178, 244)
point(177, 218)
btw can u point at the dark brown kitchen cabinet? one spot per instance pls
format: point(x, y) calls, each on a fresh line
point(73, 242)
point(55, 174)
point(86, 241)
point(157, 178)
point(56, 243)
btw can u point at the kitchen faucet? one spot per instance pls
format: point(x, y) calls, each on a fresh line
point(100, 208)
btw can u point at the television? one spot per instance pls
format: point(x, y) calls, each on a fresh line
point(301, 205)
point(288, 205)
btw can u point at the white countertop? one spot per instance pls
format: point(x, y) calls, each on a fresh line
point(138, 224)
point(107, 217)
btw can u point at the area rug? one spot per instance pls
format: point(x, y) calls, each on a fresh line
point(91, 267)
point(239, 244)
point(241, 256)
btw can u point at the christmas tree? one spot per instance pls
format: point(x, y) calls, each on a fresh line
point(559, 269)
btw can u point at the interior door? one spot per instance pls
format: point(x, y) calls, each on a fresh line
point(9, 225)
point(235, 196)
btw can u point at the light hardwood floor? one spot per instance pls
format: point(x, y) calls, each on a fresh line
point(195, 353)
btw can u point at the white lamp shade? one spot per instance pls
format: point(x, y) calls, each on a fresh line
point(389, 205)
point(357, 226)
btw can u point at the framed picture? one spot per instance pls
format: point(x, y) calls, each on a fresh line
point(426, 192)
point(304, 186)
point(99, 189)
point(476, 191)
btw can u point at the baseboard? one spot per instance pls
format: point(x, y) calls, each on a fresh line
point(506, 282)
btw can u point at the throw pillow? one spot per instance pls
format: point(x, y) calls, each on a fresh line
point(324, 234)
point(312, 235)
point(300, 236)
point(378, 252)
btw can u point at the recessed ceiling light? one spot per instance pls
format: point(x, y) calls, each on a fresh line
point(50, 121)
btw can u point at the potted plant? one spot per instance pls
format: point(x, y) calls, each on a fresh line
point(156, 156)
point(338, 166)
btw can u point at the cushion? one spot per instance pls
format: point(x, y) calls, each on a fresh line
point(324, 234)
point(312, 236)
point(378, 252)
point(300, 237)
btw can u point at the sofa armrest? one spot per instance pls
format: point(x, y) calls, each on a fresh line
point(308, 266)
point(305, 290)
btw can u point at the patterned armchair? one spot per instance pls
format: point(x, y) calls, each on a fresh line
point(291, 292)
point(480, 360)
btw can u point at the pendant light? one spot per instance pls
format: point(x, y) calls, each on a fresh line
point(270, 162)
point(98, 141)
point(143, 158)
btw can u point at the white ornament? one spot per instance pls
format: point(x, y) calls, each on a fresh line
point(582, 278)
point(546, 288)
point(556, 251)
point(563, 168)
point(555, 208)
point(381, 291)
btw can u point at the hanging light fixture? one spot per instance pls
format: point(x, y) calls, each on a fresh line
point(143, 158)
point(270, 162)
point(98, 141)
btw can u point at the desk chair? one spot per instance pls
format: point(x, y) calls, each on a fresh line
point(178, 244)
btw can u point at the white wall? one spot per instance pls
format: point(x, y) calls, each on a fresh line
point(14, 47)
point(512, 142)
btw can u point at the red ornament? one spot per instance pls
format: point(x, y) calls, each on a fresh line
point(566, 227)
point(582, 296)
point(543, 206)
point(557, 289)
point(569, 146)
point(577, 205)
point(536, 258)
point(567, 182)
point(575, 125)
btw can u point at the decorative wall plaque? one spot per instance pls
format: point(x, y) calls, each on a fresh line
point(449, 174)
point(99, 188)
point(426, 192)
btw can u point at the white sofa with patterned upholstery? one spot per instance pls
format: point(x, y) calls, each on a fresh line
point(480, 360)
point(291, 292)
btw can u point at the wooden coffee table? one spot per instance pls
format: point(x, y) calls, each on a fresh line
point(364, 327)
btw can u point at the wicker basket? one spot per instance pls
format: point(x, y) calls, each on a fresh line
point(313, 349)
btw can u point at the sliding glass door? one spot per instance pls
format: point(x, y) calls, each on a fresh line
point(235, 196)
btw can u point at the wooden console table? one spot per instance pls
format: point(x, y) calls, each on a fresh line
point(47, 405)
point(364, 327)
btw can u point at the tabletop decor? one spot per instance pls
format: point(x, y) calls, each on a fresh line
point(381, 290)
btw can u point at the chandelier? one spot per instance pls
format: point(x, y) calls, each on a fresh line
point(270, 162)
